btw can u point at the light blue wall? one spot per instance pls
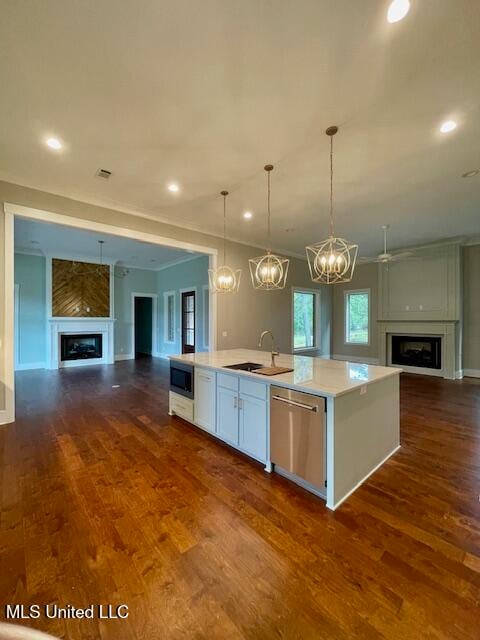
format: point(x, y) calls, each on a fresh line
point(30, 275)
point(136, 281)
point(194, 274)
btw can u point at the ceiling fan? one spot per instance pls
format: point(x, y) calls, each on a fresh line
point(386, 257)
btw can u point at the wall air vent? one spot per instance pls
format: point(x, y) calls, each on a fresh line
point(103, 173)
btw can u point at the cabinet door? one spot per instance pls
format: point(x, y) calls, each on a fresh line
point(227, 415)
point(205, 399)
point(253, 426)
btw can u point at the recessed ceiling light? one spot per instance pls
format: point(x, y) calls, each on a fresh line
point(397, 10)
point(173, 187)
point(54, 143)
point(447, 126)
point(471, 174)
point(248, 215)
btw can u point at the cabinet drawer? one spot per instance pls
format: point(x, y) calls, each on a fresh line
point(255, 389)
point(205, 374)
point(227, 382)
point(181, 406)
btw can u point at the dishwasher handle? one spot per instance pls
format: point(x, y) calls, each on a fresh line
point(301, 405)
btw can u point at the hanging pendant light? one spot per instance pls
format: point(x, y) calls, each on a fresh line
point(332, 260)
point(224, 279)
point(269, 271)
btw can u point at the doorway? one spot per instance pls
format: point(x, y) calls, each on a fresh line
point(16, 211)
point(144, 325)
point(188, 321)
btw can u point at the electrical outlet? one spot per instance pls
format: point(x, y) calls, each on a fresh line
point(363, 390)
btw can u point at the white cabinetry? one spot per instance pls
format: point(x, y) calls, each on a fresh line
point(426, 291)
point(180, 406)
point(205, 387)
point(253, 427)
point(242, 414)
point(227, 415)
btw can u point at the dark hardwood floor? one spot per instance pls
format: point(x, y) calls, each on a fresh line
point(105, 499)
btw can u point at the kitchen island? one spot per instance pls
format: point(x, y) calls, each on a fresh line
point(360, 407)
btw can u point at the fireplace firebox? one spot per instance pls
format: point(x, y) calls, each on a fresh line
point(417, 351)
point(81, 346)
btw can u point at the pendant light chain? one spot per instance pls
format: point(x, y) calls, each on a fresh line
point(269, 233)
point(224, 194)
point(331, 186)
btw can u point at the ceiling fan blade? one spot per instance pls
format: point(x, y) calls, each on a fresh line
point(405, 255)
point(365, 260)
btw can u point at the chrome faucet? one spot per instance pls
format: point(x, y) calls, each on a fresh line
point(274, 353)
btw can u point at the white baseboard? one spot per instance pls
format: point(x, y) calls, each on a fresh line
point(471, 373)
point(159, 354)
point(30, 365)
point(459, 374)
point(355, 359)
point(124, 356)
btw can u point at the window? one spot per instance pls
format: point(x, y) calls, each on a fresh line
point(304, 320)
point(357, 313)
point(169, 316)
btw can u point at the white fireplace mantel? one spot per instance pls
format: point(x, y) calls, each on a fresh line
point(65, 326)
point(446, 330)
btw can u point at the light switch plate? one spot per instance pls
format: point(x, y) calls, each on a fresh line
point(363, 390)
point(224, 334)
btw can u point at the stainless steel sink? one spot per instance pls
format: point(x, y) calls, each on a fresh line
point(245, 366)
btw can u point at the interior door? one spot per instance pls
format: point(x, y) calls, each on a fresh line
point(188, 321)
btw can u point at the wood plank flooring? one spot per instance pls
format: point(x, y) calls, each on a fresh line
point(105, 499)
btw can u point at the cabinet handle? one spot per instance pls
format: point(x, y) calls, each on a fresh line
point(235, 402)
point(240, 403)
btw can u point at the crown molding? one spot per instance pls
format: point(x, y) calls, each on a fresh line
point(29, 252)
point(173, 263)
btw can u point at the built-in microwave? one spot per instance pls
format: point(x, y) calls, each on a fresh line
point(181, 378)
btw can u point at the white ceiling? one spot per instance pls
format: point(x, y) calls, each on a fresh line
point(53, 239)
point(207, 92)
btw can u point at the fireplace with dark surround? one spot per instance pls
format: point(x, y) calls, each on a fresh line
point(81, 346)
point(417, 351)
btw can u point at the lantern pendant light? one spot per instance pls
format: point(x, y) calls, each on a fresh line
point(224, 279)
point(332, 260)
point(269, 271)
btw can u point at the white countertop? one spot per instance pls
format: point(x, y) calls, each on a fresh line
point(320, 376)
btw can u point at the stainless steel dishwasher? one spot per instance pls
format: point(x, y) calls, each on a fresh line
point(298, 437)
